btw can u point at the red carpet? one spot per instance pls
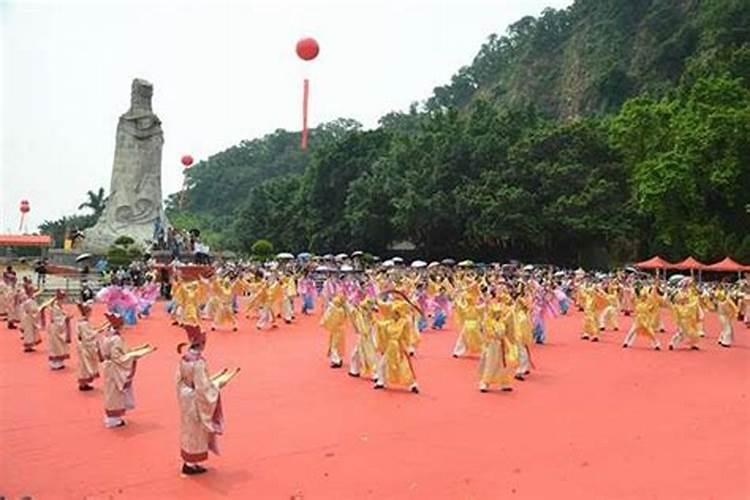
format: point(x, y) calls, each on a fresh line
point(595, 421)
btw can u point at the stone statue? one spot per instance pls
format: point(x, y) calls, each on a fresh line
point(134, 207)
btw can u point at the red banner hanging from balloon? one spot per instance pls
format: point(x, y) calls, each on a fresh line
point(305, 100)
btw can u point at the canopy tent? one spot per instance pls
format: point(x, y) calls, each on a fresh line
point(727, 266)
point(655, 262)
point(25, 240)
point(691, 264)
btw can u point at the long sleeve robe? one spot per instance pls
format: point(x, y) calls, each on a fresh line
point(201, 417)
point(118, 374)
point(88, 363)
point(58, 334)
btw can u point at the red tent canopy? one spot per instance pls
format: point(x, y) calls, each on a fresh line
point(654, 263)
point(25, 240)
point(726, 266)
point(690, 263)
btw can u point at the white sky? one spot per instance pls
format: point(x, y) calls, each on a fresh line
point(222, 71)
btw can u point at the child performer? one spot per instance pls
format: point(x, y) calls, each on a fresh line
point(333, 321)
point(499, 354)
point(58, 333)
point(395, 365)
point(199, 397)
point(364, 357)
point(88, 351)
point(118, 367)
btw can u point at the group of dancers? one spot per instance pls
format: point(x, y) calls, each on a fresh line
point(499, 319)
point(102, 350)
point(601, 303)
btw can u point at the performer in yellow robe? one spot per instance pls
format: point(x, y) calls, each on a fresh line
point(199, 397)
point(262, 301)
point(394, 367)
point(608, 316)
point(222, 310)
point(590, 327)
point(522, 332)
point(214, 287)
point(334, 320)
point(289, 286)
point(88, 349)
point(727, 310)
point(643, 323)
point(685, 310)
point(499, 354)
point(364, 356)
point(276, 297)
point(469, 339)
point(58, 333)
point(384, 316)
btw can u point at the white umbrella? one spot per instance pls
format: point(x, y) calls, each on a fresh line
point(304, 255)
point(328, 256)
point(347, 268)
point(433, 264)
point(83, 256)
point(397, 260)
point(358, 253)
point(322, 269)
point(285, 256)
point(528, 267)
point(466, 263)
point(675, 278)
point(418, 264)
point(388, 263)
point(341, 256)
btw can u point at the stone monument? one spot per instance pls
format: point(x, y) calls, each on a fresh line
point(134, 207)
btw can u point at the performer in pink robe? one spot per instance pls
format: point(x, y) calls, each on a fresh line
point(88, 350)
point(201, 418)
point(58, 333)
point(118, 371)
point(29, 316)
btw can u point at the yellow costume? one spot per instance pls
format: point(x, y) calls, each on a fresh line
point(685, 310)
point(644, 323)
point(395, 366)
point(522, 332)
point(499, 354)
point(334, 320)
point(364, 356)
point(590, 327)
point(470, 336)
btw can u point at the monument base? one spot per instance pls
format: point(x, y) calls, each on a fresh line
point(99, 238)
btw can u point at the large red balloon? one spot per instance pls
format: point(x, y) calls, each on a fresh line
point(308, 49)
point(25, 206)
point(187, 160)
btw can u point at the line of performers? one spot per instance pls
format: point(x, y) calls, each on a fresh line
point(103, 351)
point(602, 302)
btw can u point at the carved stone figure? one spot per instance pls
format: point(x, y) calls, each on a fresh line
point(134, 207)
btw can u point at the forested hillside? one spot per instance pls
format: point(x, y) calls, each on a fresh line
point(600, 133)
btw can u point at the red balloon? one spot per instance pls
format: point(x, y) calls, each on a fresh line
point(187, 160)
point(308, 49)
point(25, 206)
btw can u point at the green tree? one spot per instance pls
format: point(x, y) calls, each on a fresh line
point(96, 202)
